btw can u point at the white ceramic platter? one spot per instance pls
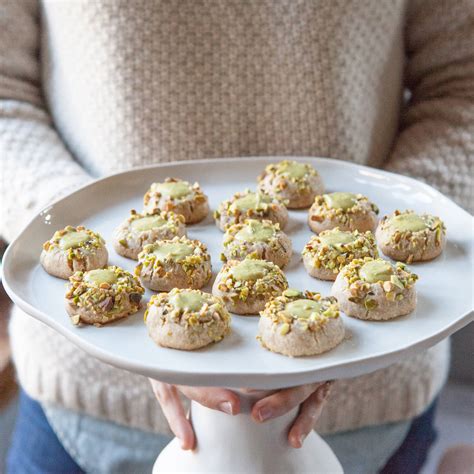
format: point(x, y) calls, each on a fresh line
point(444, 288)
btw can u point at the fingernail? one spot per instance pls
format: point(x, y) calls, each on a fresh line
point(264, 413)
point(301, 439)
point(329, 385)
point(226, 407)
point(324, 391)
point(182, 443)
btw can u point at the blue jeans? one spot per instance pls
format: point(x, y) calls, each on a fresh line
point(36, 449)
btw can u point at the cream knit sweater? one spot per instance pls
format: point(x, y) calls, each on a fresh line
point(92, 87)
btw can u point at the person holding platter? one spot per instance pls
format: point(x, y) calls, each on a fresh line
point(91, 88)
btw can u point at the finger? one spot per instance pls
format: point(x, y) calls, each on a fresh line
point(214, 398)
point(170, 402)
point(309, 413)
point(282, 401)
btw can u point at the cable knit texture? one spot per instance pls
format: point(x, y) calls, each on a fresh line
point(92, 87)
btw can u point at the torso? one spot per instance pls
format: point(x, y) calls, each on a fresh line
point(132, 84)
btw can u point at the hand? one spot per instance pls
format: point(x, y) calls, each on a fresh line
point(211, 397)
point(310, 397)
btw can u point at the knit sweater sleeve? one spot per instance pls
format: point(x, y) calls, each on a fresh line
point(36, 166)
point(436, 143)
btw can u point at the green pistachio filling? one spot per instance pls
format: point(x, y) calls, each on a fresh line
point(306, 309)
point(303, 308)
point(255, 231)
point(250, 269)
point(376, 270)
point(101, 276)
point(176, 251)
point(252, 277)
point(188, 300)
point(191, 308)
point(334, 249)
point(174, 190)
point(337, 238)
point(407, 223)
point(104, 292)
point(256, 201)
point(340, 200)
point(292, 293)
point(147, 223)
point(292, 169)
point(361, 273)
point(73, 239)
